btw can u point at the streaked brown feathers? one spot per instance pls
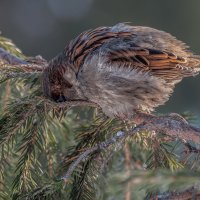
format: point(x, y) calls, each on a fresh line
point(121, 68)
point(89, 41)
point(165, 63)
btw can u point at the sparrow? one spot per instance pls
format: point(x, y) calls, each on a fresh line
point(123, 69)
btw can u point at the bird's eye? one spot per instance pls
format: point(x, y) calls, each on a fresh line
point(61, 98)
point(66, 84)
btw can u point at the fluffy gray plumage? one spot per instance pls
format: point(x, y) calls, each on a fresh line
point(121, 68)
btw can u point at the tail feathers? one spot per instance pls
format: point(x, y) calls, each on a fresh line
point(194, 63)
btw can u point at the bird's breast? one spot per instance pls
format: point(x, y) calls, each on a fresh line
point(120, 91)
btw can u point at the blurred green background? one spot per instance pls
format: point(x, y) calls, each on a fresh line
point(45, 26)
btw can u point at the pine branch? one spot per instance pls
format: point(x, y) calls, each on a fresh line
point(11, 55)
point(128, 169)
point(25, 121)
point(159, 182)
point(191, 149)
point(89, 172)
point(190, 193)
point(8, 58)
point(7, 94)
point(171, 125)
point(8, 130)
point(31, 142)
point(10, 47)
point(165, 124)
point(49, 191)
point(84, 155)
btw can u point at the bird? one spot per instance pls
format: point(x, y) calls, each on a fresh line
point(123, 69)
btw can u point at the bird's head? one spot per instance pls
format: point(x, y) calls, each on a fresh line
point(53, 86)
point(59, 82)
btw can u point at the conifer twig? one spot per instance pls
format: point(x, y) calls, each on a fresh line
point(68, 104)
point(170, 125)
point(127, 160)
point(33, 64)
point(10, 59)
point(7, 94)
point(190, 193)
point(103, 145)
point(191, 149)
point(127, 155)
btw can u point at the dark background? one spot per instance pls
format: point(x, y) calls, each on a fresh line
point(45, 26)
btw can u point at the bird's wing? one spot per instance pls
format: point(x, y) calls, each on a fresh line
point(88, 41)
point(138, 47)
point(165, 65)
